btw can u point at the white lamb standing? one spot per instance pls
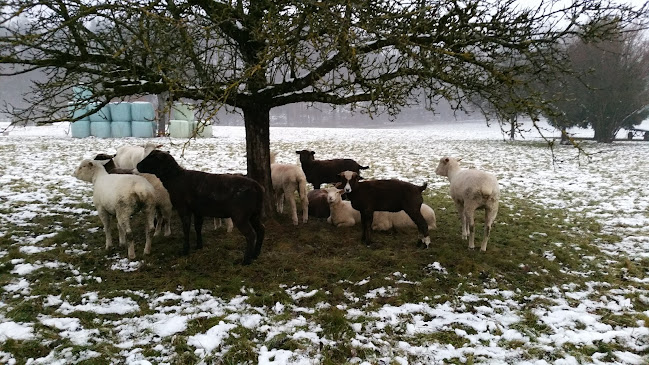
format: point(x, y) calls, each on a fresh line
point(470, 190)
point(127, 157)
point(163, 205)
point(287, 179)
point(342, 214)
point(400, 221)
point(119, 195)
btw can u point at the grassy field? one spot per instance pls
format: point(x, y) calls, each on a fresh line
point(547, 290)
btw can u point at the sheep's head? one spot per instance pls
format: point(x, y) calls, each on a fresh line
point(445, 164)
point(159, 163)
point(87, 169)
point(306, 155)
point(349, 180)
point(334, 195)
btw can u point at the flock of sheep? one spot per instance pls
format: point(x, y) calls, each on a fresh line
point(149, 180)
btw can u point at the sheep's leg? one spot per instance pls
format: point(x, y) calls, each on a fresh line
point(422, 225)
point(198, 227)
point(490, 216)
point(260, 232)
point(150, 212)
point(279, 201)
point(186, 220)
point(366, 221)
point(167, 218)
point(460, 210)
point(291, 201)
point(469, 214)
point(245, 227)
point(228, 225)
point(105, 220)
point(125, 232)
point(158, 222)
point(305, 209)
point(217, 223)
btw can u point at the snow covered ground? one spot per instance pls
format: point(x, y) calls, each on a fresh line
point(610, 187)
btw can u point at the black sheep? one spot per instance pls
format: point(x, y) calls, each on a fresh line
point(384, 195)
point(201, 194)
point(319, 172)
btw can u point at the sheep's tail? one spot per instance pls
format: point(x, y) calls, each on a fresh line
point(423, 187)
point(363, 167)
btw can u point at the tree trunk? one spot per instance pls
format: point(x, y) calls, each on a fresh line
point(163, 117)
point(257, 122)
point(512, 129)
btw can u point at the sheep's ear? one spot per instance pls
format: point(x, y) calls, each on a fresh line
point(312, 153)
point(459, 159)
point(298, 152)
point(340, 192)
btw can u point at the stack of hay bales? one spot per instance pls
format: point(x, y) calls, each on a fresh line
point(183, 123)
point(116, 120)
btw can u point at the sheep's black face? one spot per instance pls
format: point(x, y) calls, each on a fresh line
point(306, 155)
point(159, 163)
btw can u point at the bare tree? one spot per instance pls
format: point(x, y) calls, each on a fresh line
point(256, 55)
point(609, 89)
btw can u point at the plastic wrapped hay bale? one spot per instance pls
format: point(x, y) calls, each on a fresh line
point(100, 129)
point(143, 128)
point(103, 115)
point(203, 129)
point(142, 110)
point(120, 129)
point(180, 128)
point(183, 111)
point(77, 110)
point(120, 112)
point(80, 129)
point(81, 93)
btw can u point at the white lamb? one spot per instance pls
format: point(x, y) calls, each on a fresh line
point(341, 212)
point(127, 157)
point(287, 179)
point(400, 221)
point(471, 190)
point(119, 195)
point(163, 204)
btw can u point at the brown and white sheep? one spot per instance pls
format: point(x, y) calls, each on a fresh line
point(384, 195)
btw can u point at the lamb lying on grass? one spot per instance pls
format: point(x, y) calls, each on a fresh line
point(117, 195)
point(400, 221)
point(341, 212)
point(471, 190)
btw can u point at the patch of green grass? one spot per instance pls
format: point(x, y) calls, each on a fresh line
point(531, 249)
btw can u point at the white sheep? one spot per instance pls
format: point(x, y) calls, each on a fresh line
point(287, 179)
point(471, 190)
point(400, 221)
point(163, 204)
point(119, 195)
point(341, 212)
point(127, 157)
